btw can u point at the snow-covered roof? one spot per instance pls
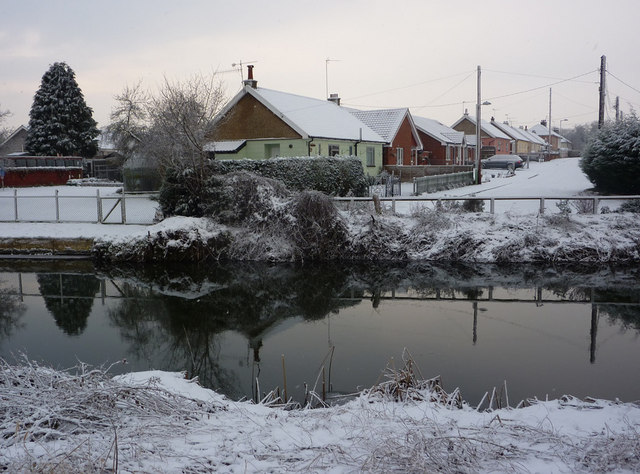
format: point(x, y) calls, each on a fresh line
point(533, 137)
point(439, 131)
point(487, 128)
point(385, 122)
point(543, 131)
point(513, 132)
point(225, 146)
point(311, 118)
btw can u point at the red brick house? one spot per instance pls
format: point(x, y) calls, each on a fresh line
point(494, 141)
point(441, 145)
point(403, 146)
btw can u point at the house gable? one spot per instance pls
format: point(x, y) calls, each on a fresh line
point(250, 119)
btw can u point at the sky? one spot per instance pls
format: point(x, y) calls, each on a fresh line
point(421, 54)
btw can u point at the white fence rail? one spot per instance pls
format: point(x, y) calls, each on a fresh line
point(103, 209)
point(584, 204)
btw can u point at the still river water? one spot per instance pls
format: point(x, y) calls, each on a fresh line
point(545, 331)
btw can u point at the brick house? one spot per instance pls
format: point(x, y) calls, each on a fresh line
point(261, 123)
point(396, 126)
point(441, 145)
point(494, 141)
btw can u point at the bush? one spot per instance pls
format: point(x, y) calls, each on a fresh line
point(611, 160)
point(630, 206)
point(337, 176)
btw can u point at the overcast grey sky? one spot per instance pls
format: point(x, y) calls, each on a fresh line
point(421, 54)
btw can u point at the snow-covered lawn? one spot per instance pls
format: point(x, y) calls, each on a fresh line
point(161, 422)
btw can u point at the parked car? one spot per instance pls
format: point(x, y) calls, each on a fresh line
point(503, 161)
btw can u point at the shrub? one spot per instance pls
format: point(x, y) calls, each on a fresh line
point(630, 206)
point(611, 160)
point(319, 232)
point(337, 176)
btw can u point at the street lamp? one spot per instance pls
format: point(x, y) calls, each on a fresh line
point(563, 120)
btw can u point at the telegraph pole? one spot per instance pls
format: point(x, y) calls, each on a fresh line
point(603, 70)
point(549, 124)
point(478, 133)
point(617, 109)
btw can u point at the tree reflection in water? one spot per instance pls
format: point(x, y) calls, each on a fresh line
point(69, 299)
point(11, 311)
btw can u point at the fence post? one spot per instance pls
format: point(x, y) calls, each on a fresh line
point(123, 209)
point(541, 205)
point(596, 201)
point(99, 204)
point(15, 204)
point(492, 205)
point(57, 207)
point(393, 204)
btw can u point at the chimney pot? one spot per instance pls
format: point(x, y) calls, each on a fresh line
point(334, 98)
point(250, 81)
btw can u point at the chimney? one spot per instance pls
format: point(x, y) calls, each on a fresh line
point(543, 123)
point(334, 98)
point(250, 81)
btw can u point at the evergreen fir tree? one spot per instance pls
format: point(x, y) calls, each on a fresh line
point(60, 122)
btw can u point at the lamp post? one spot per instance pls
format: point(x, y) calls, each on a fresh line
point(563, 120)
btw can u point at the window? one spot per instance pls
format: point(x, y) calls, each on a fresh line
point(271, 150)
point(371, 156)
point(399, 156)
point(334, 150)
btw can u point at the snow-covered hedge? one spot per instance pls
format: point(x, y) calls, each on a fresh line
point(336, 175)
point(189, 192)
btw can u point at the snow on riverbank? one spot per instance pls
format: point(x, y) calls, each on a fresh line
point(161, 422)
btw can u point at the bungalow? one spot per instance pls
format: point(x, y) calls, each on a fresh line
point(520, 143)
point(14, 142)
point(397, 127)
point(559, 144)
point(494, 141)
point(442, 145)
point(261, 123)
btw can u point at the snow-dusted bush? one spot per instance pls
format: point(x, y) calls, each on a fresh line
point(243, 198)
point(611, 161)
point(337, 176)
point(630, 206)
point(318, 232)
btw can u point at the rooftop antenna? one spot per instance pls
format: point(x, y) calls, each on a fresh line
point(239, 64)
point(326, 75)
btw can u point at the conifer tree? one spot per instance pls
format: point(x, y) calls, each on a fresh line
point(60, 122)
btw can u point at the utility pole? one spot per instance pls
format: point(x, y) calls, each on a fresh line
point(549, 124)
point(478, 133)
point(617, 109)
point(603, 70)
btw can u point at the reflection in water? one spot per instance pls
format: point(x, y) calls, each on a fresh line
point(69, 298)
point(11, 310)
point(186, 318)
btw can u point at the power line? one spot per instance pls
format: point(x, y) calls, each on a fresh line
point(408, 86)
point(541, 87)
point(532, 75)
point(618, 79)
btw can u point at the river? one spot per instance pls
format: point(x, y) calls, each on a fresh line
point(538, 331)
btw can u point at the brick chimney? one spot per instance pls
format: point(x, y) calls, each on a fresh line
point(334, 98)
point(250, 81)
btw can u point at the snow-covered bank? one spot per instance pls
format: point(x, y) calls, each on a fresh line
point(161, 422)
point(428, 235)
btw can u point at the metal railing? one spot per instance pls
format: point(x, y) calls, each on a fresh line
point(110, 209)
point(593, 200)
point(439, 182)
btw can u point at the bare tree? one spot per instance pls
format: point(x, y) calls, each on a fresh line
point(168, 128)
point(4, 131)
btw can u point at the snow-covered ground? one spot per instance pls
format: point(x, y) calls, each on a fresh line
point(161, 422)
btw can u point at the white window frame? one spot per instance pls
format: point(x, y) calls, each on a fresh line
point(399, 156)
point(371, 156)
